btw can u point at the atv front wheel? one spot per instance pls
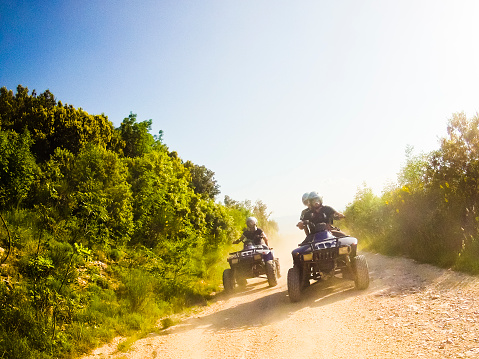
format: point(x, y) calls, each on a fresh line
point(271, 273)
point(361, 272)
point(348, 273)
point(228, 280)
point(294, 284)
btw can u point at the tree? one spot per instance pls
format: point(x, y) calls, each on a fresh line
point(135, 139)
point(260, 211)
point(18, 169)
point(51, 124)
point(202, 180)
point(90, 193)
point(413, 173)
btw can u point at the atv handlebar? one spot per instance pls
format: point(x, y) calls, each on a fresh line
point(315, 227)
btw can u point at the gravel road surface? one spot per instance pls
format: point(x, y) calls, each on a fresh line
point(410, 310)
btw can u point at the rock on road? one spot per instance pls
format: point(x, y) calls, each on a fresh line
point(410, 310)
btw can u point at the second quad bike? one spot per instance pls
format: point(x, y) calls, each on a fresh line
point(322, 256)
point(252, 261)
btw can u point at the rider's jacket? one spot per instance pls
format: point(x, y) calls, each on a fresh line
point(324, 215)
point(305, 213)
point(254, 236)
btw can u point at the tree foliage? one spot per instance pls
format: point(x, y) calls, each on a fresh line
point(51, 124)
point(202, 180)
point(18, 169)
point(432, 214)
point(110, 229)
point(134, 138)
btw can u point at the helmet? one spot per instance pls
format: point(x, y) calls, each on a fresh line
point(251, 221)
point(315, 197)
point(305, 198)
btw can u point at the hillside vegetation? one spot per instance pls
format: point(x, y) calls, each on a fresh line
point(432, 213)
point(104, 230)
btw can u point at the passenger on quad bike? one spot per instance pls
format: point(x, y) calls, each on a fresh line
point(252, 234)
point(319, 217)
point(304, 213)
point(325, 252)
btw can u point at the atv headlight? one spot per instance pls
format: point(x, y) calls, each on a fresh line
point(257, 257)
point(308, 257)
point(344, 250)
point(234, 261)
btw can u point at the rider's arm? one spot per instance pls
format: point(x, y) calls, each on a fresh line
point(265, 239)
point(304, 218)
point(338, 215)
point(239, 240)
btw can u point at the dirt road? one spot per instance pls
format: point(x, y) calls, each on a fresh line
point(410, 310)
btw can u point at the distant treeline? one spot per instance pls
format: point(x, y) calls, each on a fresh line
point(432, 213)
point(105, 229)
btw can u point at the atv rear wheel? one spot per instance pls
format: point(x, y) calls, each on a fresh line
point(228, 280)
point(278, 271)
point(271, 273)
point(241, 280)
point(294, 284)
point(361, 272)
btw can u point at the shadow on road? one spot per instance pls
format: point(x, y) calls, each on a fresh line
point(264, 305)
point(258, 305)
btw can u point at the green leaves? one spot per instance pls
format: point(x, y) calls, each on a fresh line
point(83, 252)
point(109, 226)
point(431, 214)
point(134, 138)
point(202, 180)
point(17, 167)
point(39, 267)
point(51, 124)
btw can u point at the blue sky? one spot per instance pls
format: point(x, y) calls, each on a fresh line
point(276, 97)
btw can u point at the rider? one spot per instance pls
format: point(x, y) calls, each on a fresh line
point(253, 233)
point(321, 217)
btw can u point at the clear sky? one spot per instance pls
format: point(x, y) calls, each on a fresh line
point(277, 98)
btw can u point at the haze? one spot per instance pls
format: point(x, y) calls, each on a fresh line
point(276, 97)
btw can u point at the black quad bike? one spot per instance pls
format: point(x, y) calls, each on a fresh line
point(252, 261)
point(322, 256)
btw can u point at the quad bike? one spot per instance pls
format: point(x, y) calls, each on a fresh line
point(252, 261)
point(322, 256)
